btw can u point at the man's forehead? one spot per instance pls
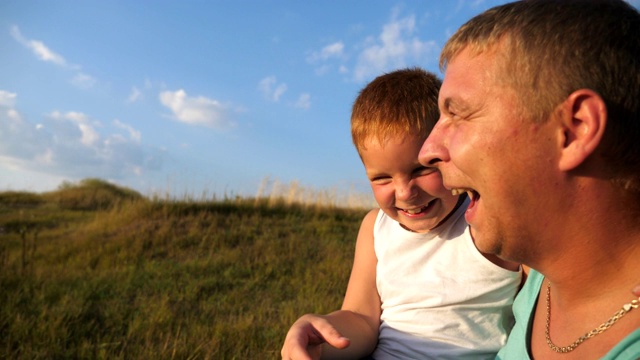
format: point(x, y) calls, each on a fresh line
point(469, 72)
point(454, 86)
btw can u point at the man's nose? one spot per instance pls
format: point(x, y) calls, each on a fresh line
point(434, 150)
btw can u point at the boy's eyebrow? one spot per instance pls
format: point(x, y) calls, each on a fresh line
point(373, 173)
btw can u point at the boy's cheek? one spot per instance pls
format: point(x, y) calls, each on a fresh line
point(434, 187)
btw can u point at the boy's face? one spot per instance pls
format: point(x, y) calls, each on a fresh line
point(405, 190)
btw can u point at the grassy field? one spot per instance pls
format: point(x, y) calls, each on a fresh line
point(96, 271)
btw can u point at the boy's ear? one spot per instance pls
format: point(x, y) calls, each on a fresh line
point(584, 118)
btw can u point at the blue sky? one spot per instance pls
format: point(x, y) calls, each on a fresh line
point(193, 97)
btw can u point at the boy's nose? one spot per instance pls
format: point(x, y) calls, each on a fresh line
point(405, 191)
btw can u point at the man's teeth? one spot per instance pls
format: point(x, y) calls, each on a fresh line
point(457, 192)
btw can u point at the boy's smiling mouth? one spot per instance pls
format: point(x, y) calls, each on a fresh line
point(417, 211)
point(414, 211)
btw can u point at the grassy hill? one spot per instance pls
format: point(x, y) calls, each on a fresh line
point(94, 270)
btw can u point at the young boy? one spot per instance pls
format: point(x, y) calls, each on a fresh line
point(419, 288)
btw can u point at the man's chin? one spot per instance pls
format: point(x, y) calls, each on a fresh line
point(484, 244)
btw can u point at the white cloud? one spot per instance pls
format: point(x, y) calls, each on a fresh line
point(321, 58)
point(38, 48)
point(135, 95)
point(396, 44)
point(7, 99)
point(334, 50)
point(271, 89)
point(46, 157)
point(133, 133)
point(70, 145)
point(73, 122)
point(304, 101)
point(196, 110)
point(83, 81)
point(322, 69)
point(16, 177)
point(80, 79)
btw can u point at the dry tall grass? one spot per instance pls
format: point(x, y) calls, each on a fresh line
point(294, 193)
point(96, 271)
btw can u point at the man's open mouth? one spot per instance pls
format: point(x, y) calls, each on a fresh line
point(472, 194)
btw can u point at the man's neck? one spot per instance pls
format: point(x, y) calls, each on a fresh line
point(591, 268)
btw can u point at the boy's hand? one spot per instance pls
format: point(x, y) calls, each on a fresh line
point(307, 335)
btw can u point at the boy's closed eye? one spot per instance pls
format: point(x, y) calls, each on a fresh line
point(423, 171)
point(417, 172)
point(380, 179)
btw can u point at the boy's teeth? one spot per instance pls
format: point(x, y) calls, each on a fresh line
point(413, 212)
point(456, 192)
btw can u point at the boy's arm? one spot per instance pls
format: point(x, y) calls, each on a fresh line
point(359, 317)
point(312, 336)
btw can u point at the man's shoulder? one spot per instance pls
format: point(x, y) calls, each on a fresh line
point(627, 349)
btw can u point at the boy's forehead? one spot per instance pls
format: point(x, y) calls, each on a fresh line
point(385, 139)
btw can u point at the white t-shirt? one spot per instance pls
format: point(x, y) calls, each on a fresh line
point(441, 298)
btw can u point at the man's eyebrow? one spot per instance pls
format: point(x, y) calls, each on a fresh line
point(448, 103)
point(451, 104)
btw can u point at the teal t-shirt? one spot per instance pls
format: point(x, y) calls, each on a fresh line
point(519, 341)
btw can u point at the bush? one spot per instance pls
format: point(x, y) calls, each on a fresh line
point(91, 194)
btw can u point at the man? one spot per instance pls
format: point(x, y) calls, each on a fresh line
point(540, 124)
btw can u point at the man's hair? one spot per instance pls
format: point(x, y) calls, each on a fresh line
point(551, 48)
point(399, 103)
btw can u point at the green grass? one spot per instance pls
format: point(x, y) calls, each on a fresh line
point(95, 271)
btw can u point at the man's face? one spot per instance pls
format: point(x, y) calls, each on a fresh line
point(483, 145)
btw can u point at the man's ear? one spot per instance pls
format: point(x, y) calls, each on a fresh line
point(584, 118)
